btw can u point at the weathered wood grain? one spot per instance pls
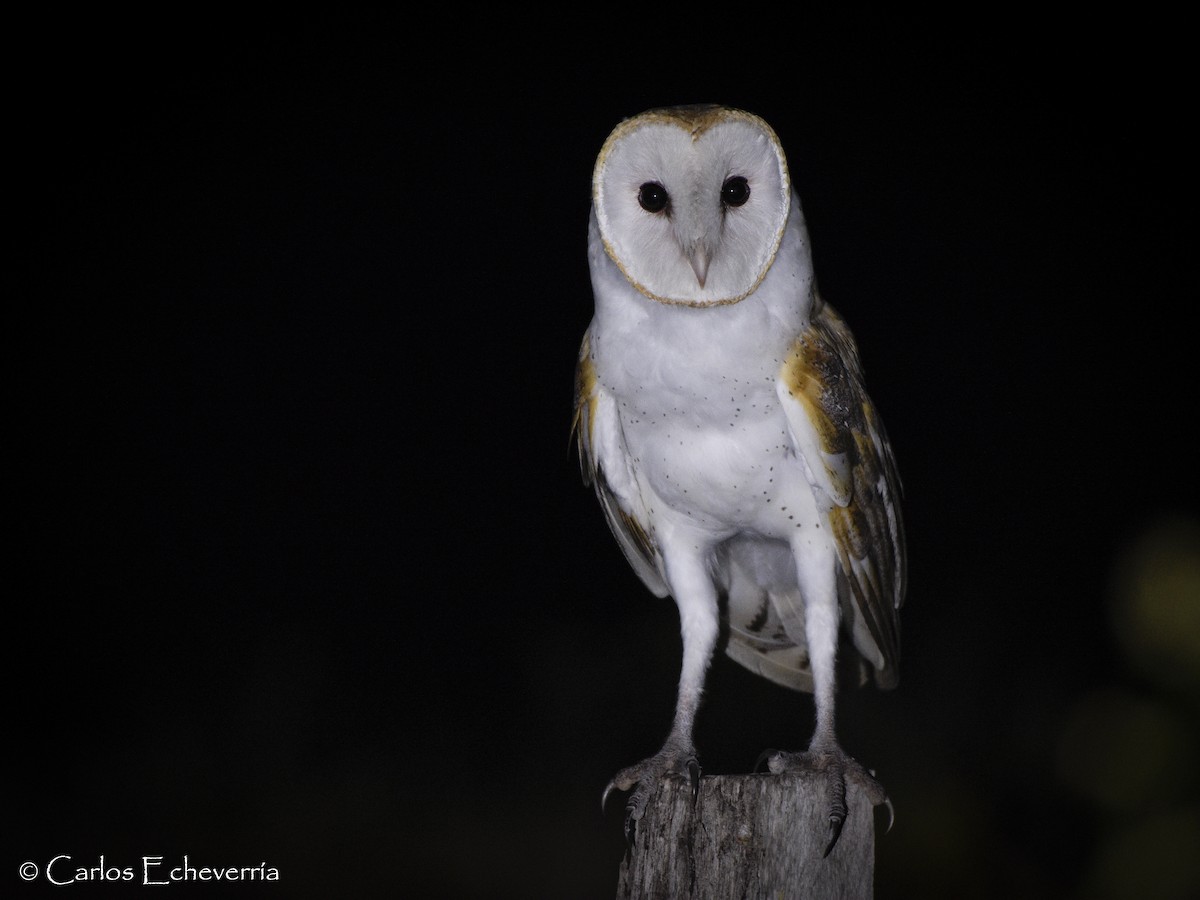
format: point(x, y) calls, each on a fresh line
point(748, 836)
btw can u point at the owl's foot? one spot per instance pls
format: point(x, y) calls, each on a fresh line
point(836, 768)
point(643, 778)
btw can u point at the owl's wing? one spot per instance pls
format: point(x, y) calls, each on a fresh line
point(841, 439)
point(604, 464)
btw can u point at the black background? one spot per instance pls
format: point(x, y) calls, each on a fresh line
point(305, 573)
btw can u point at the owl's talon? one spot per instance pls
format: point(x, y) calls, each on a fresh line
point(643, 779)
point(604, 797)
point(693, 770)
point(835, 767)
point(636, 807)
point(835, 832)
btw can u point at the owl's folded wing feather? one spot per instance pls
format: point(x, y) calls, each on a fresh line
point(603, 464)
point(849, 461)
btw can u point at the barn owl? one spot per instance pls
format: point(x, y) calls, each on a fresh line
point(721, 416)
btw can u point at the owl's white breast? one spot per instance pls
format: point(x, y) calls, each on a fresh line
point(695, 392)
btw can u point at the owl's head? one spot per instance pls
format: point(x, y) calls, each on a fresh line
point(691, 202)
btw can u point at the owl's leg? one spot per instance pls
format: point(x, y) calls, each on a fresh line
point(818, 584)
point(696, 597)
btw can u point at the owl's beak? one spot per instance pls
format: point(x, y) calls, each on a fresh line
point(699, 258)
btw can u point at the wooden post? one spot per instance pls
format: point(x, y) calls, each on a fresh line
point(748, 836)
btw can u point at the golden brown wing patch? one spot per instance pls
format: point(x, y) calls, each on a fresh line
point(824, 375)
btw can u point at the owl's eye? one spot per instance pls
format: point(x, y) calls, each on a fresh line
point(735, 191)
point(653, 197)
